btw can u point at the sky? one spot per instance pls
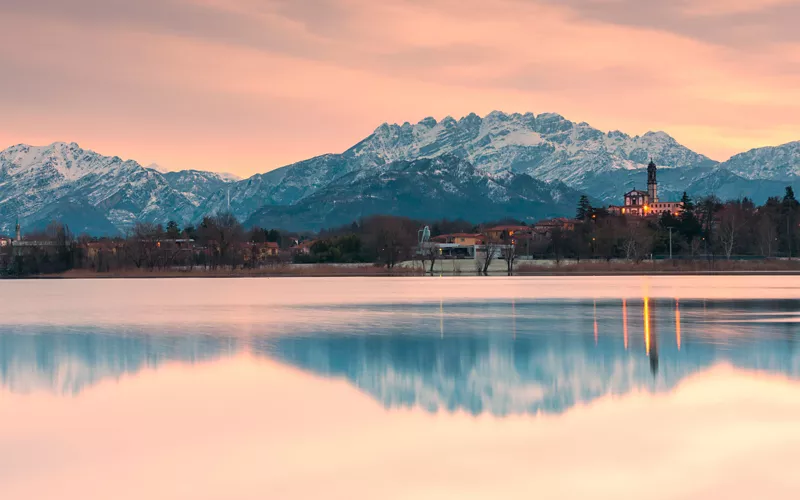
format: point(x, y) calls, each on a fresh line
point(246, 86)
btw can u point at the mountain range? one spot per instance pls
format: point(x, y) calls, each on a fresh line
point(522, 166)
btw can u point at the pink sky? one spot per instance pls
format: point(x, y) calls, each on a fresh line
point(250, 85)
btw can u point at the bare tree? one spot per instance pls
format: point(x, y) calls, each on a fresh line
point(510, 257)
point(638, 241)
point(731, 219)
point(222, 233)
point(509, 252)
point(490, 248)
point(767, 234)
point(141, 244)
point(430, 252)
point(391, 238)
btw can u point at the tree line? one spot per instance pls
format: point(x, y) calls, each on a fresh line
point(705, 228)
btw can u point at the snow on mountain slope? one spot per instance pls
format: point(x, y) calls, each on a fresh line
point(547, 147)
point(33, 179)
point(198, 185)
point(429, 188)
point(780, 163)
point(38, 182)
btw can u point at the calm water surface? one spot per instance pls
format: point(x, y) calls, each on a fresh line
point(437, 388)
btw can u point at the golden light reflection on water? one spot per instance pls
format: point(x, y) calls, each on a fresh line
point(625, 323)
point(646, 312)
point(678, 323)
point(241, 302)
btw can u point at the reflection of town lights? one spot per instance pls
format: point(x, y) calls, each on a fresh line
point(678, 323)
point(625, 323)
point(647, 325)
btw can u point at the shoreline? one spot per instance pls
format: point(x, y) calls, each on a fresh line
point(382, 273)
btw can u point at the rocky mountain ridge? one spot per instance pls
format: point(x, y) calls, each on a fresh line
point(106, 195)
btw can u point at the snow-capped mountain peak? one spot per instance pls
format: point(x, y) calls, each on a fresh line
point(91, 192)
point(780, 163)
point(64, 181)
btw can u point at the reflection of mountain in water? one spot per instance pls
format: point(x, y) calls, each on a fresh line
point(542, 359)
point(495, 357)
point(66, 363)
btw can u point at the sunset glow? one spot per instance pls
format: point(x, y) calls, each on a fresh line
point(247, 86)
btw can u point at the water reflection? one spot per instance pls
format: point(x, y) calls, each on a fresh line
point(67, 363)
point(497, 357)
point(551, 361)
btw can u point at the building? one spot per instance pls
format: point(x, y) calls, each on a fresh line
point(548, 225)
point(255, 253)
point(646, 203)
point(457, 245)
point(464, 239)
point(271, 249)
point(504, 233)
point(303, 247)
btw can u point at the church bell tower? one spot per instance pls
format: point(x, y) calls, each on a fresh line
point(652, 184)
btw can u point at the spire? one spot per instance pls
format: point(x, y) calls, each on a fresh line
point(18, 235)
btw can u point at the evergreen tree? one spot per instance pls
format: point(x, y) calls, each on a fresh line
point(687, 205)
point(788, 199)
point(173, 231)
point(689, 226)
point(789, 209)
point(584, 208)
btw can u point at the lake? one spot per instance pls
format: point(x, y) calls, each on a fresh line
point(400, 388)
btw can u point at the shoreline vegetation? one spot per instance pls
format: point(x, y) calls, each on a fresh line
point(703, 237)
point(447, 268)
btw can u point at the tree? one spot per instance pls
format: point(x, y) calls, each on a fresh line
point(141, 244)
point(221, 233)
point(483, 260)
point(731, 220)
point(687, 205)
point(389, 238)
point(430, 253)
point(584, 208)
point(173, 231)
point(688, 224)
point(638, 242)
point(509, 255)
point(707, 208)
point(558, 243)
point(789, 198)
point(789, 209)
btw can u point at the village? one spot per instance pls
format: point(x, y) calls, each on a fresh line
point(643, 227)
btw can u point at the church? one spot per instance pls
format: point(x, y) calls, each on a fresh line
point(646, 203)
